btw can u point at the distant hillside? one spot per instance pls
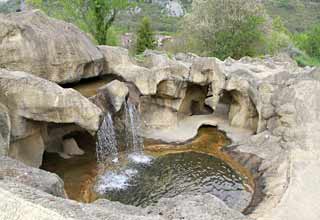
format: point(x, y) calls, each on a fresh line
point(298, 15)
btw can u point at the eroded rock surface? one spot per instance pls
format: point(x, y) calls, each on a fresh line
point(5, 126)
point(33, 102)
point(17, 199)
point(15, 171)
point(52, 49)
point(270, 107)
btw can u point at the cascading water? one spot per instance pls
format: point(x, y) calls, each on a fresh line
point(118, 179)
point(133, 129)
point(106, 141)
point(134, 138)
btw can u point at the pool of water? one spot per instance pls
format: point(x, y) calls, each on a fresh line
point(198, 166)
point(174, 174)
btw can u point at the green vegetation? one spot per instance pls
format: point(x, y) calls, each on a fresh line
point(94, 17)
point(145, 39)
point(161, 22)
point(215, 28)
point(309, 42)
point(297, 15)
point(218, 28)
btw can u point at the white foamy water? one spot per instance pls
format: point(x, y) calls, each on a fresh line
point(115, 181)
point(106, 141)
point(140, 158)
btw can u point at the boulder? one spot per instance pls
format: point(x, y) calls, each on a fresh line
point(201, 207)
point(5, 128)
point(116, 92)
point(15, 171)
point(48, 48)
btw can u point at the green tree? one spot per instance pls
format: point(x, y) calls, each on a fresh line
point(93, 16)
point(145, 38)
point(225, 28)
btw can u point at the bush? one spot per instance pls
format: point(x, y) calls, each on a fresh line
point(224, 28)
point(310, 43)
point(279, 38)
point(145, 38)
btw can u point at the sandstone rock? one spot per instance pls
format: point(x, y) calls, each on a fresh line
point(24, 202)
point(12, 170)
point(21, 200)
point(70, 147)
point(29, 150)
point(114, 56)
point(5, 128)
point(33, 98)
point(46, 47)
point(195, 207)
point(116, 92)
point(33, 103)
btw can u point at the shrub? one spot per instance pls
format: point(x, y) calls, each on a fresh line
point(145, 38)
point(224, 28)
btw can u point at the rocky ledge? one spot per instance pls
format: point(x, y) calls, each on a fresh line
point(269, 107)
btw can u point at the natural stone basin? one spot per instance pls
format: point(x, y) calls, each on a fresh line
point(196, 167)
point(177, 173)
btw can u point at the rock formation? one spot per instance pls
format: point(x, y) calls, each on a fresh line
point(268, 107)
point(33, 102)
point(52, 49)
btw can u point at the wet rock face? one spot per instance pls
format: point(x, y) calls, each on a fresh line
point(49, 48)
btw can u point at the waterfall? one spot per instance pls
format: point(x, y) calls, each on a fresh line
point(106, 141)
point(134, 139)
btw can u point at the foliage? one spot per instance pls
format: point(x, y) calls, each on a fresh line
point(306, 60)
point(145, 38)
point(161, 22)
point(279, 38)
point(225, 28)
point(309, 42)
point(94, 16)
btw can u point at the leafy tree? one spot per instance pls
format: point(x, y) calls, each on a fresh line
point(93, 16)
point(225, 28)
point(145, 38)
